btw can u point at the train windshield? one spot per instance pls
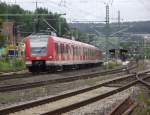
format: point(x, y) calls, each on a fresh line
point(38, 46)
point(38, 51)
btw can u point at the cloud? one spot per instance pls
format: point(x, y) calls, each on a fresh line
point(134, 10)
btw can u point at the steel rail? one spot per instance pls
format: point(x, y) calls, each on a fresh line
point(51, 99)
point(143, 82)
point(88, 101)
point(14, 76)
point(26, 75)
point(122, 107)
point(119, 109)
point(73, 106)
point(53, 81)
point(130, 109)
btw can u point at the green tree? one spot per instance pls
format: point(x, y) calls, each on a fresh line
point(26, 24)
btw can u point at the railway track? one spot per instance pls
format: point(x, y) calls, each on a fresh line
point(63, 103)
point(25, 75)
point(59, 80)
point(19, 75)
point(127, 106)
point(147, 84)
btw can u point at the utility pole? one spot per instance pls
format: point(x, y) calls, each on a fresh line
point(36, 18)
point(36, 3)
point(107, 32)
point(119, 18)
point(119, 35)
point(60, 21)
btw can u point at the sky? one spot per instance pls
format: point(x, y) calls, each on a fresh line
point(91, 10)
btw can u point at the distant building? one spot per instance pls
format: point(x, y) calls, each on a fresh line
point(8, 31)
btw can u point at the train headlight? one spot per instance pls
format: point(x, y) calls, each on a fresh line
point(50, 57)
point(38, 58)
point(28, 62)
point(48, 62)
point(27, 57)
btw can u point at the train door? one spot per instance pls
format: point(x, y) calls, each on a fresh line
point(56, 52)
point(59, 52)
point(72, 47)
point(62, 52)
point(67, 52)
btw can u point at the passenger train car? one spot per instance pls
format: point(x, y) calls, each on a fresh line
point(46, 53)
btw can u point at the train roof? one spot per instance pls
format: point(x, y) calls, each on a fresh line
point(60, 39)
point(69, 41)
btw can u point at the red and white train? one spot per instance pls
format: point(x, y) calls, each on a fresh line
point(46, 53)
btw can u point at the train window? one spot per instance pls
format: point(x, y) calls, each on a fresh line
point(68, 49)
point(59, 49)
point(56, 48)
point(69, 52)
point(76, 50)
point(62, 48)
point(90, 52)
point(73, 50)
point(86, 52)
point(79, 51)
point(38, 51)
point(65, 49)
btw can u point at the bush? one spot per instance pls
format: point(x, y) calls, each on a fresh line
point(20, 63)
point(143, 104)
point(112, 64)
point(4, 67)
point(16, 64)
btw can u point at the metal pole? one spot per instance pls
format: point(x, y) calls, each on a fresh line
point(35, 18)
point(59, 26)
point(107, 33)
point(117, 55)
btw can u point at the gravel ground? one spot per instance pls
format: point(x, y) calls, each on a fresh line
point(16, 97)
point(64, 102)
point(9, 73)
point(103, 107)
point(44, 77)
point(9, 98)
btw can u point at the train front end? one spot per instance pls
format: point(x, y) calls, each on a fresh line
point(36, 52)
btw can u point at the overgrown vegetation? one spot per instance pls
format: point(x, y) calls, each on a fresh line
point(143, 104)
point(12, 64)
point(112, 64)
point(29, 22)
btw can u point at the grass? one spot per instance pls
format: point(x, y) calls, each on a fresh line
point(112, 64)
point(144, 104)
point(21, 95)
point(13, 64)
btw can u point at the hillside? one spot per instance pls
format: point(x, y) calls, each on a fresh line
point(133, 27)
